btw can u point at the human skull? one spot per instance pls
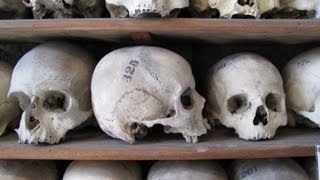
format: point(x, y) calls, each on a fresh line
point(301, 84)
point(245, 92)
point(266, 169)
point(139, 87)
point(109, 170)
point(9, 108)
point(65, 8)
point(12, 9)
point(145, 8)
point(52, 84)
point(188, 170)
point(303, 5)
point(233, 8)
point(27, 170)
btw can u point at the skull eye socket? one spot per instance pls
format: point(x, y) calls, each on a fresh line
point(55, 102)
point(186, 99)
point(273, 102)
point(238, 103)
point(246, 2)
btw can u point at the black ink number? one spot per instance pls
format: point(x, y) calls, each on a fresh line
point(129, 71)
point(248, 172)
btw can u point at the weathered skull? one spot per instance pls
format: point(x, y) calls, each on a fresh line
point(85, 170)
point(139, 87)
point(245, 92)
point(303, 5)
point(145, 8)
point(233, 8)
point(190, 170)
point(12, 9)
point(27, 170)
point(9, 108)
point(52, 83)
point(66, 8)
point(266, 169)
point(302, 86)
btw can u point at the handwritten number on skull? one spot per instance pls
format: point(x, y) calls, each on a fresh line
point(127, 78)
point(134, 63)
point(129, 71)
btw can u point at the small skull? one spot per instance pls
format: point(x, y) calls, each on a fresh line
point(136, 88)
point(9, 107)
point(52, 84)
point(311, 6)
point(145, 8)
point(245, 92)
point(12, 9)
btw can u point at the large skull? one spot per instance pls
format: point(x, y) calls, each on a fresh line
point(267, 169)
point(109, 170)
point(233, 8)
point(9, 108)
point(245, 92)
point(12, 9)
point(139, 87)
point(66, 8)
point(302, 86)
point(144, 8)
point(189, 170)
point(303, 5)
point(52, 83)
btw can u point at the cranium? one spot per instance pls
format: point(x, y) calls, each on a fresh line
point(85, 170)
point(65, 8)
point(139, 87)
point(52, 83)
point(266, 169)
point(190, 170)
point(9, 108)
point(301, 77)
point(12, 9)
point(303, 5)
point(245, 92)
point(144, 8)
point(27, 170)
point(233, 8)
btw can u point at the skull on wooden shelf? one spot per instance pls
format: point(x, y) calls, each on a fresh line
point(136, 88)
point(12, 9)
point(145, 8)
point(85, 170)
point(311, 6)
point(245, 92)
point(191, 170)
point(9, 107)
point(233, 8)
point(266, 169)
point(302, 86)
point(52, 84)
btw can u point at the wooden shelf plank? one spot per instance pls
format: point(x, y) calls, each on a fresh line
point(221, 144)
point(196, 30)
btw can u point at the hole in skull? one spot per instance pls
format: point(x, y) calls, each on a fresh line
point(261, 116)
point(171, 113)
point(139, 130)
point(246, 2)
point(186, 99)
point(32, 123)
point(238, 103)
point(55, 102)
point(273, 102)
point(66, 5)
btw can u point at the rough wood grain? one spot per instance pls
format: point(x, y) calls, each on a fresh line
point(222, 144)
point(207, 30)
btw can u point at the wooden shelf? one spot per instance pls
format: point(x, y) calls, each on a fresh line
point(195, 30)
point(221, 144)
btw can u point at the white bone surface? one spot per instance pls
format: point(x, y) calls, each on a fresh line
point(309, 5)
point(12, 9)
point(245, 92)
point(138, 87)
point(52, 83)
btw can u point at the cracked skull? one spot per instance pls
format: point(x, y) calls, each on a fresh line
point(233, 8)
point(312, 6)
point(139, 87)
point(9, 107)
point(52, 84)
point(245, 92)
point(145, 8)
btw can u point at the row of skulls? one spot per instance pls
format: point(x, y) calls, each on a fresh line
point(135, 88)
point(150, 8)
point(253, 169)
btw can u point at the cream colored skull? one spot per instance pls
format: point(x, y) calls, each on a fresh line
point(308, 5)
point(12, 9)
point(230, 8)
point(139, 87)
point(302, 86)
point(186, 170)
point(103, 170)
point(267, 169)
point(9, 108)
point(143, 8)
point(52, 83)
point(245, 92)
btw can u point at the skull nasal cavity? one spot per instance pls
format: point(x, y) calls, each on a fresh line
point(32, 123)
point(55, 102)
point(186, 99)
point(246, 2)
point(261, 116)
